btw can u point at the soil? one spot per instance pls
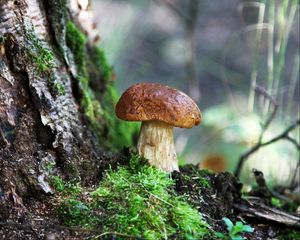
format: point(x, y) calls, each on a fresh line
point(214, 201)
point(212, 194)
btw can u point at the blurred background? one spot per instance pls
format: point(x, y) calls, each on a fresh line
point(237, 59)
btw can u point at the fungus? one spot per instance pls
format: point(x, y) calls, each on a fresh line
point(159, 108)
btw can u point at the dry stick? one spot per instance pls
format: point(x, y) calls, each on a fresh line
point(259, 144)
point(258, 210)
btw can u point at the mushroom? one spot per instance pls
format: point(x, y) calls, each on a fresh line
point(160, 108)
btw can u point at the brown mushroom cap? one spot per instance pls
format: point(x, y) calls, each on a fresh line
point(153, 101)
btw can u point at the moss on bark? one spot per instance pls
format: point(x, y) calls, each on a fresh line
point(77, 43)
point(91, 64)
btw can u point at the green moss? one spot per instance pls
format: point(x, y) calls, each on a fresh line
point(76, 41)
point(42, 57)
point(43, 60)
point(99, 63)
point(111, 132)
point(75, 213)
point(137, 200)
point(276, 202)
point(60, 88)
point(71, 210)
point(57, 183)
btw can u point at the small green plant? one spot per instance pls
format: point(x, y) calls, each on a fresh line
point(57, 183)
point(74, 213)
point(60, 88)
point(276, 202)
point(234, 230)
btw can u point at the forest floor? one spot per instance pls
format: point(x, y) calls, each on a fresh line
point(215, 196)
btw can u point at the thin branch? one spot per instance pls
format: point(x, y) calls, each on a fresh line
point(293, 141)
point(259, 144)
point(265, 126)
point(284, 135)
point(264, 93)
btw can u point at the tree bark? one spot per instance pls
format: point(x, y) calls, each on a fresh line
point(48, 111)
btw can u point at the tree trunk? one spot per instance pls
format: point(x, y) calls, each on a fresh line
point(50, 118)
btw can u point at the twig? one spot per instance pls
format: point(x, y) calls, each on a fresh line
point(267, 123)
point(293, 141)
point(259, 144)
point(284, 135)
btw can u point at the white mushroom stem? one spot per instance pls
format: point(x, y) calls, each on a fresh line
point(156, 143)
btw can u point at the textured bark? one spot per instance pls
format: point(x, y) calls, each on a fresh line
point(43, 126)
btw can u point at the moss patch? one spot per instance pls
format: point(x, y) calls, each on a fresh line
point(42, 57)
point(136, 200)
point(92, 64)
point(115, 132)
point(98, 63)
point(76, 41)
point(59, 88)
point(43, 60)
